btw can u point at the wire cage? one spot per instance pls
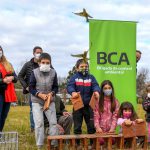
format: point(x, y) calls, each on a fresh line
point(8, 140)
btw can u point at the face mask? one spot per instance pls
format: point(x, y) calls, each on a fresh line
point(45, 67)
point(84, 71)
point(127, 115)
point(148, 95)
point(107, 92)
point(36, 56)
point(1, 54)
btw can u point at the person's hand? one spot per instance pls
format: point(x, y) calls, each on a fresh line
point(65, 113)
point(7, 80)
point(42, 96)
point(99, 130)
point(139, 120)
point(128, 122)
point(10, 78)
point(75, 95)
point(96, 95)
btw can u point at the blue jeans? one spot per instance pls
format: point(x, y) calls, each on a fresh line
point(31, 114)
point(4, 109)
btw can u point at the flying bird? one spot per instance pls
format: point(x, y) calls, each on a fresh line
point(82, 56)
point(84, 14)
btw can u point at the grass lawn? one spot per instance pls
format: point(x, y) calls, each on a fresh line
point(18, 120)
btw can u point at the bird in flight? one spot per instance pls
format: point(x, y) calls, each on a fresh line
point(83, 56)
point(84, 14)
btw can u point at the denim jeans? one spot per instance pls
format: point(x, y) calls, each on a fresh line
point(31, 114)
point(39, 122)
point(4, 109)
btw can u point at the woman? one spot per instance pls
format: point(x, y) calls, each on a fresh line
point(7, 90)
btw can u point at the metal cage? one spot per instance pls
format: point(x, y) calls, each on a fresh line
point(8, 140)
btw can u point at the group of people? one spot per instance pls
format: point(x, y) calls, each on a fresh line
point(39, 79)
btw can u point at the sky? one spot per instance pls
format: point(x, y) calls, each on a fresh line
point(51, 24)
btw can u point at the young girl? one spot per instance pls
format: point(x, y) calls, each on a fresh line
point(106, 110)
point(127, 114)
point(43, 82)
point(146, 107)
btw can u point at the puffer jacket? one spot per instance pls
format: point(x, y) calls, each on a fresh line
point(86, 85)
point(25, 72)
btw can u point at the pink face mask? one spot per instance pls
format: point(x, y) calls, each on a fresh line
point(127, 114)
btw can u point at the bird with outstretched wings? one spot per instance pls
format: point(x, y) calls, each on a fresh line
point(84, 14)
point(82, 56)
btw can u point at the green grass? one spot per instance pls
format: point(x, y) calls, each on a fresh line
point(18, 120)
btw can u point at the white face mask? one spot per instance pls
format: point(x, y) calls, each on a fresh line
point(36, 56)
point(1, 54)
point(45, 67)
point(148, 95)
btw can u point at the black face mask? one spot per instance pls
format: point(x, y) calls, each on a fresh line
point(84, 72)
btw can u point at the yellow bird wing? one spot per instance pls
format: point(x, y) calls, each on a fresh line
point(77, 55)
point(80, 14)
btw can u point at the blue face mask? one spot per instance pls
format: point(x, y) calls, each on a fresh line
point(107, 92)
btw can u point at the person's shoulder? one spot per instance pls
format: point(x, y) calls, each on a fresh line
point(75, 75)
point(90, 76)
point(36, 70)
point(28, 63)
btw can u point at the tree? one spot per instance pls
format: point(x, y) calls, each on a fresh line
point(141, 80)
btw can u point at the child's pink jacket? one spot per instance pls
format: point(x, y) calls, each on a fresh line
point(106, 120)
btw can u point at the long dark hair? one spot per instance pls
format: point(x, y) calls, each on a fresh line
point(127, 105)
point(112, 97)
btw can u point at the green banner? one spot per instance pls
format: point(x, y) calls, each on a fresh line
point(112, 56)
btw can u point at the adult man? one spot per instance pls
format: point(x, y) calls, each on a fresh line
point(64, 118)
point(138, 55)
point(24, 77)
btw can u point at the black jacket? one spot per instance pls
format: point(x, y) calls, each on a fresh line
point(25, 72)
point(146, 107)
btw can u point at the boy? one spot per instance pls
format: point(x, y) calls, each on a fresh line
point(86, 84)
point(43, 82)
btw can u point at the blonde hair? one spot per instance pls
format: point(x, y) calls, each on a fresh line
point(6, 64)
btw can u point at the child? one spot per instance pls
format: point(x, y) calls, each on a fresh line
point(43, 82)
point(86, 84)
point(127, 114)
point(106, 110)
point(146, 107)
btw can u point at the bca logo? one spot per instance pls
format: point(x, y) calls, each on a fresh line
point(103, 58)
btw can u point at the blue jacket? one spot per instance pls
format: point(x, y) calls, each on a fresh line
point(86, 85)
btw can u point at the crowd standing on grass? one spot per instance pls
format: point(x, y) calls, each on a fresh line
point(39, 80)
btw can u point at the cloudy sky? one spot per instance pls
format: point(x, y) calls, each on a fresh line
point(52, 25)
